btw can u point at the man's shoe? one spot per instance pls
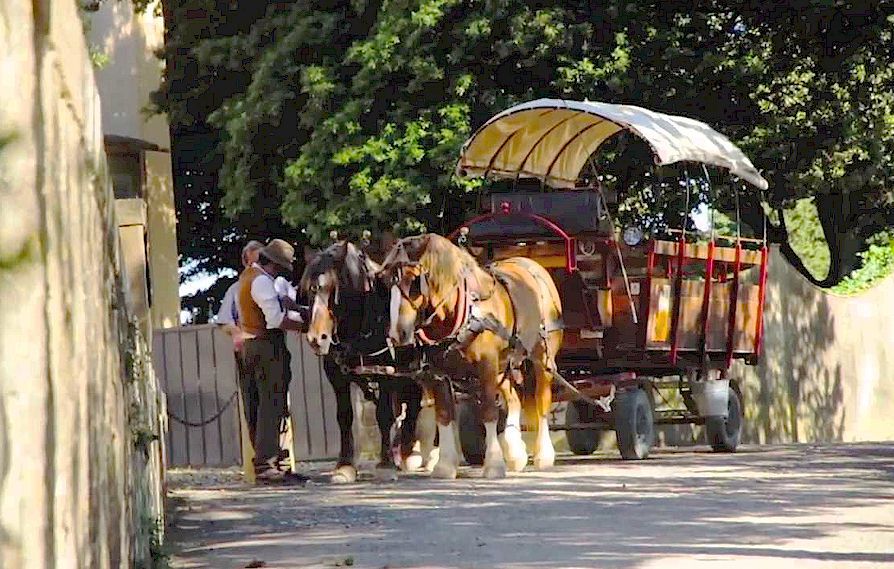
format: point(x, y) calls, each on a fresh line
point(269, 476)
point(295, 479)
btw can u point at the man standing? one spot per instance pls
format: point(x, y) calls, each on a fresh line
point(264, 320)
point(228, 317)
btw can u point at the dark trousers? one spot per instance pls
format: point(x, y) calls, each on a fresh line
point(249, 391)
point(268, 369)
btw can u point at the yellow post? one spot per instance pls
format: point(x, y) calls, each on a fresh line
point(248, 451)
point(289, 442)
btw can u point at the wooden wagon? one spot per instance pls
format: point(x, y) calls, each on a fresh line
point(641, 313)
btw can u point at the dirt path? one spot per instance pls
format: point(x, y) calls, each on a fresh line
point(793, 506)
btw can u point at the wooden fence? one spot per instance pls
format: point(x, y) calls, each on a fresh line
point(197, 371)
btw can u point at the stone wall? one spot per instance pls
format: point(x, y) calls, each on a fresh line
point(80, 477)
point(827, 370)
point(827, 373)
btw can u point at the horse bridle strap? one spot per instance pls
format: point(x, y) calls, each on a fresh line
point(461, 311)
point(333, 301)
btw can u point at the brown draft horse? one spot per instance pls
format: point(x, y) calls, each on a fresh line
point(347, 322)
point(496, 321)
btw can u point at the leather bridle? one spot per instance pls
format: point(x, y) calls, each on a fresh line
point(426, 311)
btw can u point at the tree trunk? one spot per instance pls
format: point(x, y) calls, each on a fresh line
point(841, 227)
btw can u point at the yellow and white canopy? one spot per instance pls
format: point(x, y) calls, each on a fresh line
point(551, 140)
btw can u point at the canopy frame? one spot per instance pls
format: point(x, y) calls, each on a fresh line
point(529, 140)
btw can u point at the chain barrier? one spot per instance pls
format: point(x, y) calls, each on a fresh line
point(215, 417)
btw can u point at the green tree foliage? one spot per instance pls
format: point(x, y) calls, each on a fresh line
point(805, 235)
point(877, 264)
point(203, 47)
point(350, 115)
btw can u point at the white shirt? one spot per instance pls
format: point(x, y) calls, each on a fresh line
point(263, 291)
point(285, 288)
point(229, 307)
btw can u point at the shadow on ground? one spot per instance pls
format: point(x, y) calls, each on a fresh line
point(787, 504)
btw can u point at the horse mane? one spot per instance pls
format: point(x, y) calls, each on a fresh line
point(441, 259)
point(344, 261)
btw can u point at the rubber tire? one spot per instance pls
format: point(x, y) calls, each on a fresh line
point(724, 434)
point(581, 443)
point(634, 424)
point(471, 432)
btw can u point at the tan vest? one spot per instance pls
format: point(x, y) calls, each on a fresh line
point(251, 317)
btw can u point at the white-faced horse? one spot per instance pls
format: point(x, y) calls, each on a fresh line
point(500, 322)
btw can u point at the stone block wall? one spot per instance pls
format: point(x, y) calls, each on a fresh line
point(827, 372)
point(80, 475)
point(827, 369)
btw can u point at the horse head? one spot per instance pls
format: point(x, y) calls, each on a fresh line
point(425, 272)
point(336, 280)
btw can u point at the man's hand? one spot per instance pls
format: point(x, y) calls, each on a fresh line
point(289, 304)
point(296, 320)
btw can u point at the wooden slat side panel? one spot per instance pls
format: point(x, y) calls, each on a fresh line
point(297, 399)
point(211, 397)
point(660, 313)
point(718, 316)
point(226, 373)
point(194, 392)
point(690, 314)
point(746, 319)
point(700, 251)
point(179, 449)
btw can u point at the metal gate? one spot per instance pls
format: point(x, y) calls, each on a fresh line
point(197, 372)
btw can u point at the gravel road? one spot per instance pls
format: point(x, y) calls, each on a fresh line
point(782, 506)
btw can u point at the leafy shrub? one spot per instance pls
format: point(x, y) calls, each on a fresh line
point(878, 263)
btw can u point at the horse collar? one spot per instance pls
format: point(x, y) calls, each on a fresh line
point(461, 311)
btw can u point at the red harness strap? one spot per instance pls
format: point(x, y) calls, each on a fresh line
point(460, 313)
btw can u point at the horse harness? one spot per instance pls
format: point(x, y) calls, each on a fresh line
point(470, 322)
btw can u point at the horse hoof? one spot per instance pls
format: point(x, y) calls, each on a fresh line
point(497, 471)
point(444, 471)
point(516, 463)
point(384, 474)
point(345, 474)
point(544, 462)
point(412, 462)
point(432, 460)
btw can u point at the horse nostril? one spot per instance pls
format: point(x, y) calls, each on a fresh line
point(323, 337)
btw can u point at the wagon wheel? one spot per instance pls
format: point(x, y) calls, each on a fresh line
point(634, 424)
point(581, 442)
point(724, 433)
